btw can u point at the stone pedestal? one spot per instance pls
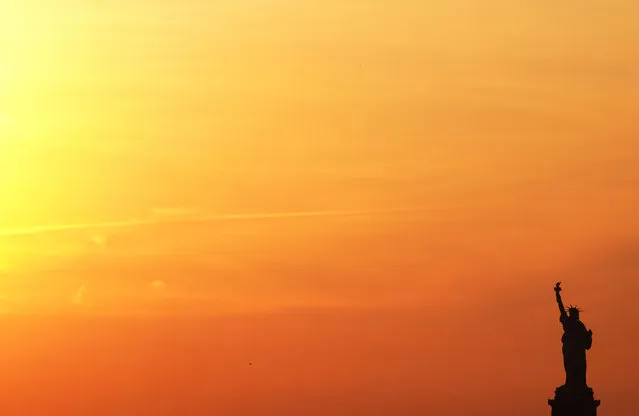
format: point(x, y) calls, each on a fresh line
point(571, 401)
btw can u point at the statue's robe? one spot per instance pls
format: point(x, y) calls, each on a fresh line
point(576, 340)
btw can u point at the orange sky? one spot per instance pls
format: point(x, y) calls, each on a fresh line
point(371, 200)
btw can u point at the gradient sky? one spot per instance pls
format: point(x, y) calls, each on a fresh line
point(370, 200)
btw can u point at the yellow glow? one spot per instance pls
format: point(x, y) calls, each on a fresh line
point(124, 126)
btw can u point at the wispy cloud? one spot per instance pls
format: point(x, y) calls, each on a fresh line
point(99, 240)
point(80, 297)
point(158, 285)
point(168, 220)
point(10, 232)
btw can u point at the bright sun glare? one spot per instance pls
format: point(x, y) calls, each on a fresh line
point(12, 49)
point(5, 120)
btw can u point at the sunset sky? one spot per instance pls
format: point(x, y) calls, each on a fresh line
point(369, 200)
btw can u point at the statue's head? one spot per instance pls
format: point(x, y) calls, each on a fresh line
point(573, 312)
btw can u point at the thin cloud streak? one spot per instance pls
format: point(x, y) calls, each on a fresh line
point(25, 231)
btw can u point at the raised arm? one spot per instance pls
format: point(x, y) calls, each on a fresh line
point(560, 303)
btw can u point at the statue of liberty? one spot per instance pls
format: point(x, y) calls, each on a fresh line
point(576, 341)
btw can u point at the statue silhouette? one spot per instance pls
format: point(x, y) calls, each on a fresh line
point(576, 341)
